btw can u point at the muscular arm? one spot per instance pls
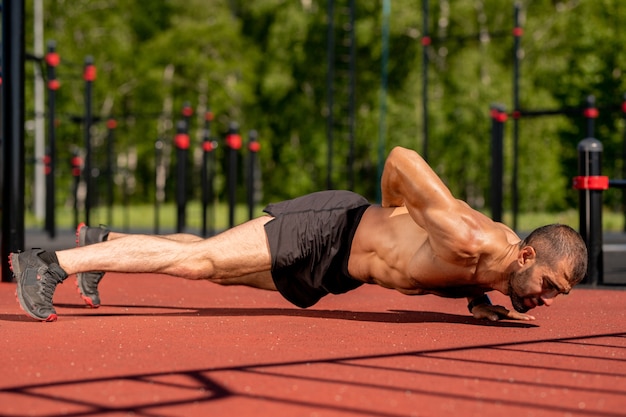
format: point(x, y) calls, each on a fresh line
point(409, 181)
point(456, 233)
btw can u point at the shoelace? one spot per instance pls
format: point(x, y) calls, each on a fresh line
point(49, 282)
point(52, 277)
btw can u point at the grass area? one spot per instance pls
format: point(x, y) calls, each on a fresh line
point(611, 221)
point(142, 217)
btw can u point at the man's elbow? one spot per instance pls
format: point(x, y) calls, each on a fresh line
point(399, 152)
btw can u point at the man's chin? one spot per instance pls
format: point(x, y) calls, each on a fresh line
point(521, 309)
point(518, 304)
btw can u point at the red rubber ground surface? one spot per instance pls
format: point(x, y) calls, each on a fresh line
point(160, 346)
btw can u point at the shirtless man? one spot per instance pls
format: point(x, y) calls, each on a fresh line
point(421, 240)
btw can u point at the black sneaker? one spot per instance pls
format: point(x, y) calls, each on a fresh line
point(87, 282)
point(36, 282)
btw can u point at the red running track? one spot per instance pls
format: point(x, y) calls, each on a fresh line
point(160, 346)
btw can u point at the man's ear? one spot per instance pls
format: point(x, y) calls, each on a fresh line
point(526, 254)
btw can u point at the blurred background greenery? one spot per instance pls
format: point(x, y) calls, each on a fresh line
point(263, 64)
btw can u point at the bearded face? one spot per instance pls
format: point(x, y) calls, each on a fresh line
point(519, 286)
point(537, 284)
point(517, 301)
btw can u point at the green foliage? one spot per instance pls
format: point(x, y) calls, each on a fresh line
point(263, 64)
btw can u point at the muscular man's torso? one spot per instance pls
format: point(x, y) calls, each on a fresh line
point(391, 250)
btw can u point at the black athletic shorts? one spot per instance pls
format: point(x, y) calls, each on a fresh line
point(310, 240)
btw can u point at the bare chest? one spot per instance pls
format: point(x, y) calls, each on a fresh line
point(396, 253)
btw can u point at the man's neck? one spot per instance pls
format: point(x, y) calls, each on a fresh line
point(496, 272)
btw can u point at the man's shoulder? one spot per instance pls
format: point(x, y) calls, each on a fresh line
point(508, 233)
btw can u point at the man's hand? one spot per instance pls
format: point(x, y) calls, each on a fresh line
point(495, 313)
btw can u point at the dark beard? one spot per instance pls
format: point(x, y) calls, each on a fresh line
point(517, 301)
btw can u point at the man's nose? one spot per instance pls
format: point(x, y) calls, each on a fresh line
point(547, 301)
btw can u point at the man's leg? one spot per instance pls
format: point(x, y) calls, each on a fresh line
point(236, 252)
point(238, 256)
point(87, 282)
point(177, 237)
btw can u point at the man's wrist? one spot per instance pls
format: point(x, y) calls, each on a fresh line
point(483, 299)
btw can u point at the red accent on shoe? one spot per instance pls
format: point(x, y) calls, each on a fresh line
point(86, 299)
point(80, 226)
point(51, 317)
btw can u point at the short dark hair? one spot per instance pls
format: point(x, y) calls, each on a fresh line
point(555, 242)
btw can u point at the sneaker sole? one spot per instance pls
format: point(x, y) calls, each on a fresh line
point(86, 299)
point(79, 228)
point(20, 299)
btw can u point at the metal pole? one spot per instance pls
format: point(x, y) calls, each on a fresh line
point(233, 143)
point(517, 34)
point(159, 175)
point(624, 157)
point(498, 117)
point(591, 113)
point(111, 126)
point(40, 111)
point(207, 172)
point(182, 148)
point(590, 201)
point(352, 98)
point(89, 76)
point(52, 61)
point(76, 164)
point(382, 123)
point(426, 41)
point(12, 131)
point(330, 122)
point(254, 147)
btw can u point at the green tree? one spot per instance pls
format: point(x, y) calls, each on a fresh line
point(263, 64)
